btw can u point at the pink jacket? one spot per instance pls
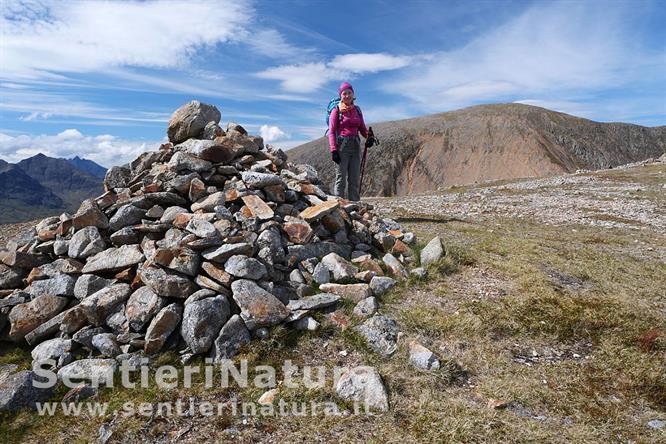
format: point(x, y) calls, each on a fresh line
point(351, 124)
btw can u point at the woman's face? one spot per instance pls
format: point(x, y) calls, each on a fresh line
point(347, 96)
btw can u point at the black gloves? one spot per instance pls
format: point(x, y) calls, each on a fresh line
point(335, 156)
point(370, 141)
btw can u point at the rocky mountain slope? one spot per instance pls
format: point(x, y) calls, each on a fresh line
point(42, 185)
point(488, 142)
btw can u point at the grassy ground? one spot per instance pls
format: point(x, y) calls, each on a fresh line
point(563, 326)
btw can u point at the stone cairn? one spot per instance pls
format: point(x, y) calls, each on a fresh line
point(198, 246)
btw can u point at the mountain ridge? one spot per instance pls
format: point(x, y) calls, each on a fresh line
point(41, 185)
point(488, 142)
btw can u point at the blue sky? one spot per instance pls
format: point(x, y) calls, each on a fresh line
point(100, 79)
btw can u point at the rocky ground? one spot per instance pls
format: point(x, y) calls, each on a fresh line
point(546, 314)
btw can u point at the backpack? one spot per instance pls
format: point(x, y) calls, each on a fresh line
point(332, 104)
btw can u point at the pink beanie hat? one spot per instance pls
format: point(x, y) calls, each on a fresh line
point(343, 86)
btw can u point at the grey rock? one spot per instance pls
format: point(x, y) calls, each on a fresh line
point(202, 321)
point(60, 247)
point(296, 276)
point(162, 325)
point(340, 268)
point(301, 252)
point(432, 252)
point(124, 236)
point(209, 203)
point(59, 285)
point(117, 177)
point(142, 306)
point(211, 131)
point(381, 334)
point(381, 284)
point(259, 308)
point(106, 344)
point(419, 273)
point(167, 283)
point(171, 213)
point(46, 328)
point(657, 424)
point(306, 323)
point(189, 120)
point(11, 277)
point(315, 302)
point(57, 349)
point(260, 180)
point(18, 391)
point(233, 335)
point(395, 266)
point(85, 242)
point(125, 216)
point(271, 239)
point(182, 161)
point(366, 307)
point(363, 384)
point(245, 267)
point(85, 335)
point(201, 228)
point(221, 254)
point(96, 371)
point(117, 320)
point(88, 284)
point(114, 259)
point(422, 358)
point(321, 275)
point(409, 238)
point(100, 304)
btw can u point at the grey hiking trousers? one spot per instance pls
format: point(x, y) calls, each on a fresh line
point(348, 174)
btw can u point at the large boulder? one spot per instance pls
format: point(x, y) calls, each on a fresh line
point(162, 325)
point(232, 337)
point(24, 318)
point(18, 391)
point(259, 308)
point(363, 385)
point(202, 321)
point(189, 120)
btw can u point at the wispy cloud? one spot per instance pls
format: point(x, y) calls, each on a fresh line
point(309, 77)
point(91, 36)
point(550, 48)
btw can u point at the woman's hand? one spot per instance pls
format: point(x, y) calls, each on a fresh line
point(335, 156)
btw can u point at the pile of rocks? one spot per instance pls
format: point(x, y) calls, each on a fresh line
point(198, 246)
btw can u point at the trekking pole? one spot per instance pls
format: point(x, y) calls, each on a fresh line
point(369, 142)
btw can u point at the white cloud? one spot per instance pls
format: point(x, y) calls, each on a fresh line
point(91, 36)
point(303, 78)
point(361, 63)
point(552, 48)
point(35, 116)
point(272, 133)
point(105, 149)
point(309, 77)
point(269, 42)
point(70, 134)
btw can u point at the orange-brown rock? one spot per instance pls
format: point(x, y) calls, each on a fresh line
point(258, 207)
point(318, 211)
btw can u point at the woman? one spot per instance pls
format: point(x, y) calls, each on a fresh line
point(345, 122)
